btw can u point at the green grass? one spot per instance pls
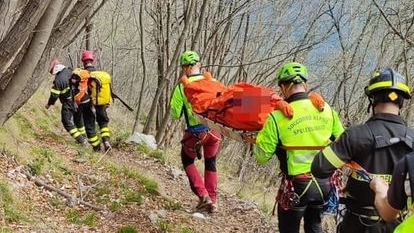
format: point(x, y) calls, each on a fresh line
point(44, 160)
point(128, 229)
point(133, 196)
point(56, 202)
point(25, 127)
point(158, 155)
point(76, 217)
point(11, 211)
point(164, 226)
point(187, 230)
point(171, 204)
point(143, 149)
point(5, 230)
point(150, 185)
point(115, 206)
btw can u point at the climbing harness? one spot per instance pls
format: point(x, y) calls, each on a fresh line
point(286, 196)
point(331, 206)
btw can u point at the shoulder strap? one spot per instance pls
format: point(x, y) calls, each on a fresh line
point(184, 109)
point(410, 168)
point(383, 139)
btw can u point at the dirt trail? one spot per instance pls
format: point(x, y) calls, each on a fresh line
point(152, 215)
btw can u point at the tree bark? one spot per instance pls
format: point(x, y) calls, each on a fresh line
point(19, 33)
point(170, 68)
point(25, 70)
point(61, 35)
point(144, 66)
point(4, 8)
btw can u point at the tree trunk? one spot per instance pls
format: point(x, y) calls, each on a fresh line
point(88, 31)
point(27, 66)
point(19, 33)
point(72, 22)
point(144, 66)
point(171, 67)
point(4, 9)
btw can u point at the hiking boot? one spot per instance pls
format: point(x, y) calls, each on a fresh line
point(213, 208)
point(82, 140)
point(107, 145)
point(204, 203)
point(85, 143)
point(97, 148)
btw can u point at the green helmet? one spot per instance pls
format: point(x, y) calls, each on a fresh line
point(293, 72)
point(189, 58)
point(388, 79)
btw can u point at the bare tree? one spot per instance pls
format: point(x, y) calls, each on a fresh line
point(24, 60)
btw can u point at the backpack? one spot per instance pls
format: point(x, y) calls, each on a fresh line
point(100, 88)
point(407, 225)
point(79, 80)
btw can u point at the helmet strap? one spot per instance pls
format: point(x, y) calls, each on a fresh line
point(287, 90)
point(305, 85)
point(370, 105)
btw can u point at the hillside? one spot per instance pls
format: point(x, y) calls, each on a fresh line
point(130, 189)
point(133, 189)
point(48, 183)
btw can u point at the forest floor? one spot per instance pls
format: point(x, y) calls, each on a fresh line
point(48, 183)
point(135, 192)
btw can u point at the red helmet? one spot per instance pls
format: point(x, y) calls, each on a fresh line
point(87, 55)
point(54, 63)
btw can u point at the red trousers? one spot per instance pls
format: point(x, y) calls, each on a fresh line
point(209, 143)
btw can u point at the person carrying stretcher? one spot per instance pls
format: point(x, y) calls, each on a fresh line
point(198, 139)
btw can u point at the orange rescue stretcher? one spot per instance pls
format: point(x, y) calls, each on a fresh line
point(238, 111)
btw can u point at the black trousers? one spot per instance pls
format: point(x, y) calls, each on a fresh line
point(66, 114)
point(356, 224)
point(88, 115)
point(78, 119)
point(101, 115)
point(102, 119)
point(309, 208)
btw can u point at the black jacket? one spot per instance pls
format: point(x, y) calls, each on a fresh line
point(61, 87)
point(376, 145)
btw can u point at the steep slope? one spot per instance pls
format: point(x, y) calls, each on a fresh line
point(137, 193)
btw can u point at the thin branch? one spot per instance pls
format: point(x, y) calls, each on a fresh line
point(71, 199)
point(84, 25)
point(392, 26)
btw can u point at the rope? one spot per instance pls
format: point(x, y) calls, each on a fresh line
point(359, 170)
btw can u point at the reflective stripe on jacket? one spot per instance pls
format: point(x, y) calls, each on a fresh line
point(376, 146)
point(60, 88)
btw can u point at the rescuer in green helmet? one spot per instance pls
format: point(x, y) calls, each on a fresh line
point(296, 141)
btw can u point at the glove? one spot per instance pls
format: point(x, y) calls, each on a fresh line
point(317, 101)
point(285, 108)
